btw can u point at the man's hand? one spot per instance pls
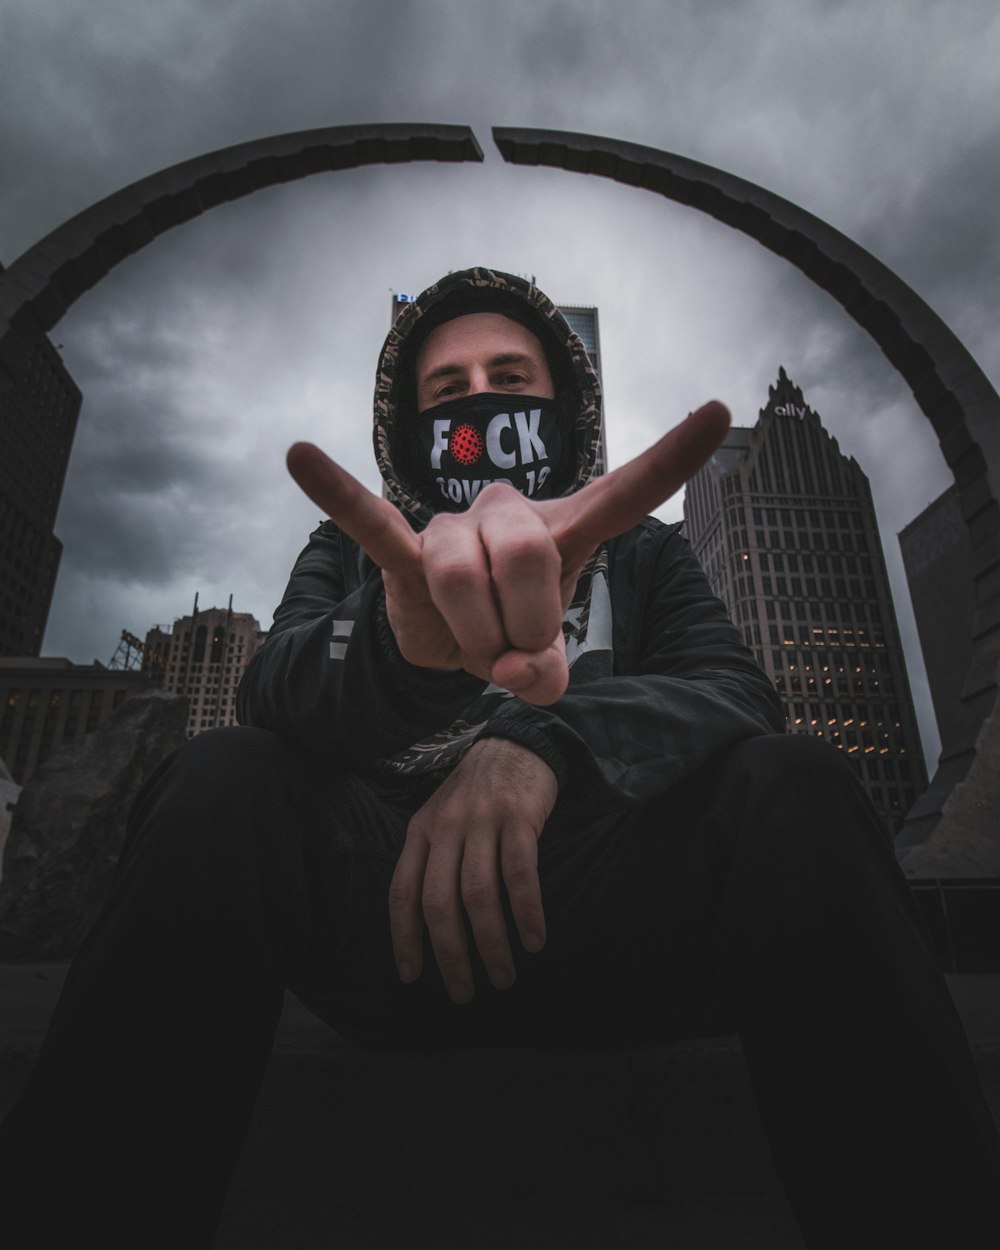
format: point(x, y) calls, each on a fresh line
point(484, 821)
point(485, 590)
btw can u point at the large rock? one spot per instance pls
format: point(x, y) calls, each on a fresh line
point(966, 840)
point(69, 824)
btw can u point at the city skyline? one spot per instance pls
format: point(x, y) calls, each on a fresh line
point(202, 357)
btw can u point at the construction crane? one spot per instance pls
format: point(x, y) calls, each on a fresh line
point(133, 654)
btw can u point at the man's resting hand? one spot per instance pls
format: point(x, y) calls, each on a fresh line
point(485, 590)
point(482, 823)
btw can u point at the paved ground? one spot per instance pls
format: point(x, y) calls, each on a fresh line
point(638, 1148)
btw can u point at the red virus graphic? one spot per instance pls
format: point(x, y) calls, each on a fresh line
point(465, 444)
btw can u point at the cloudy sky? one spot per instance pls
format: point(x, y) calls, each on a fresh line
point(205, 355)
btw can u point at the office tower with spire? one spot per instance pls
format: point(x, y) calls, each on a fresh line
point(784, 525)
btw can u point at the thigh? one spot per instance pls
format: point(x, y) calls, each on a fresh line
point(645, 907)
point(629, 902)
point(243, 841)
point(632, 903)
point(606, 922)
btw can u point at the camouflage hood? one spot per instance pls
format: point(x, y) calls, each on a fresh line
point(469, 291)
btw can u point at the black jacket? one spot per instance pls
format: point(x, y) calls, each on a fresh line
point(660, 679)
point(676, 686)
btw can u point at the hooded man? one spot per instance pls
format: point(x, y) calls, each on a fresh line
point(506, 772)
point(497, 595)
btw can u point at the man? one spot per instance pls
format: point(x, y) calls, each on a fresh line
point(507, 773)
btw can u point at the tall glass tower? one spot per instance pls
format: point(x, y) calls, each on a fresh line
point(583, 322)
point(785, 528)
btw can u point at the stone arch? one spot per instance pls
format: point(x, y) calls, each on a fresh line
point(949, 387)
point(41, 284)
point(947, 384)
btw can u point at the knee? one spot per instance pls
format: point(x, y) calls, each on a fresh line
point(234, 756)
point(215, 834)
point(222, 780)
point(799, 787)
point(793, 763)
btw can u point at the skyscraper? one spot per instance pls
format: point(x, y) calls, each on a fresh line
point(39, 406)
point(203, 656)
point(49, 702)
point(583, 322)
point(937, 556)
point(785, 527)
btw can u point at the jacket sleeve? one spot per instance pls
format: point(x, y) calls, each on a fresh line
point(330, 677)
point(694, 689)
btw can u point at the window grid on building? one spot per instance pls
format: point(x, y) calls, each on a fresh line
point(203, 656)
point(784, 525)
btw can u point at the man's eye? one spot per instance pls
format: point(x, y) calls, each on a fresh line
point(512, 379)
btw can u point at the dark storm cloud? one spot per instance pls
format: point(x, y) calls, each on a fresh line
point(944, 239)
point(205, 354)
point(109, 92)
point(142, 479)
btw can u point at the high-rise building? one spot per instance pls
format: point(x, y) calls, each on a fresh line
point(203, 656)
point(785, 527)
point(937, 557)
point(39, 406)
point(583, 321)
point(51, 702)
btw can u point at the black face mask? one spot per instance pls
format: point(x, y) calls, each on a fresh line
point(465, 444)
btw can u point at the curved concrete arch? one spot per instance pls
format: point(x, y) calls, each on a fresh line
point(41, 284)
point(951, 390)
point(947, 383)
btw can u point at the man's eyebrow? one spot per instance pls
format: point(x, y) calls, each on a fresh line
point(503, 358)
point(442, 371)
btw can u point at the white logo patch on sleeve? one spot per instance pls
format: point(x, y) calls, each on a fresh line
point(340, 635)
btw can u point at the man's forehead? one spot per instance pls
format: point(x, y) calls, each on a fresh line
point(485, 334)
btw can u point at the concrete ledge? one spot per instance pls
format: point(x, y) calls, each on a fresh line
point(717, 1225)
point(500, 1148)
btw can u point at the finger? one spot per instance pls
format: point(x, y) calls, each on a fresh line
point(519, 863)
point(444, 919)
point(481, 898)
point(525, 567)
point(373, 523)
point(538, 677)
point(458, 580)
point(406, 919)
point(621, 499)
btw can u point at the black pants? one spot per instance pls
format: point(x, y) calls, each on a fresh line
point(759, 895)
